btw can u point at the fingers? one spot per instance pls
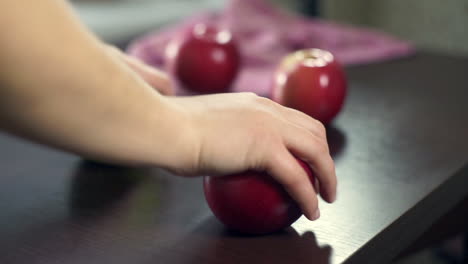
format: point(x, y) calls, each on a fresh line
point(306, 138)
point(313, 150)
point(157, 79)
point(297, 117)
point(284, 168)
point(304, 120)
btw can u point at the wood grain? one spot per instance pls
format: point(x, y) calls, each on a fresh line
point(401, 151)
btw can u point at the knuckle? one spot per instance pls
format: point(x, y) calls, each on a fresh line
point(264, 101)
point(297, 112)
point(294, 112)
point(249, 95)
point(263, 119)
point(321, 147)
point(320, 128)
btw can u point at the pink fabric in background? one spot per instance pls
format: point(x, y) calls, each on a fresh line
point(265, 34)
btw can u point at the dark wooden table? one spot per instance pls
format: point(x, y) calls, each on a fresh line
point(401, 150)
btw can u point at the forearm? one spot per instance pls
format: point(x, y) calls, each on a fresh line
point(58, 85)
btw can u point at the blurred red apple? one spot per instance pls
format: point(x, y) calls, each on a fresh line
point(252, 202)
point(311, 81)
point(204, 59)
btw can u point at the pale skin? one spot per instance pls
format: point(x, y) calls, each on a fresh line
point(61, 86)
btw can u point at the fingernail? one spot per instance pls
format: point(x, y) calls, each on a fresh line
point(315, 215)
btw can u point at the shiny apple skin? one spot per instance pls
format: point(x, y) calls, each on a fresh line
point(204, 59)
point(252, 202)
point(313, 82)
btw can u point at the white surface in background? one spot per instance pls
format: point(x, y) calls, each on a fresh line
point(118, 21)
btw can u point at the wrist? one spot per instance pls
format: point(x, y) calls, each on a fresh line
point(177, 142)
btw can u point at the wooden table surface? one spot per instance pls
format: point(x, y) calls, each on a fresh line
point(401, 151)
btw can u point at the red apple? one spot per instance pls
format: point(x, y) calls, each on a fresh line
point(204, 59)
point(311, 81)
point(252, 202)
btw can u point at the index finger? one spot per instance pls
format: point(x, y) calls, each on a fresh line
point(284, 168)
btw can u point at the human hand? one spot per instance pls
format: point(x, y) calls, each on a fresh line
point(242, 131)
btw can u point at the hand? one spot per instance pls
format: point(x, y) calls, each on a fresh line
point(237, 132)
point(157, 79)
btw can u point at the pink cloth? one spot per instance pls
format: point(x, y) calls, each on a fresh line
point(265, 34)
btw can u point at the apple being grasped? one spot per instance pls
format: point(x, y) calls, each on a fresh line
point(252, 202)
point(311, 81)
point(204, 59)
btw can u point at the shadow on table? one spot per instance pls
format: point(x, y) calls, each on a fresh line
point(336, 141)
point(211, 242)
point(109, 209)
point(98, 188)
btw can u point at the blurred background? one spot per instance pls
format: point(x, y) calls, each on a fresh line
point(430, 24)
